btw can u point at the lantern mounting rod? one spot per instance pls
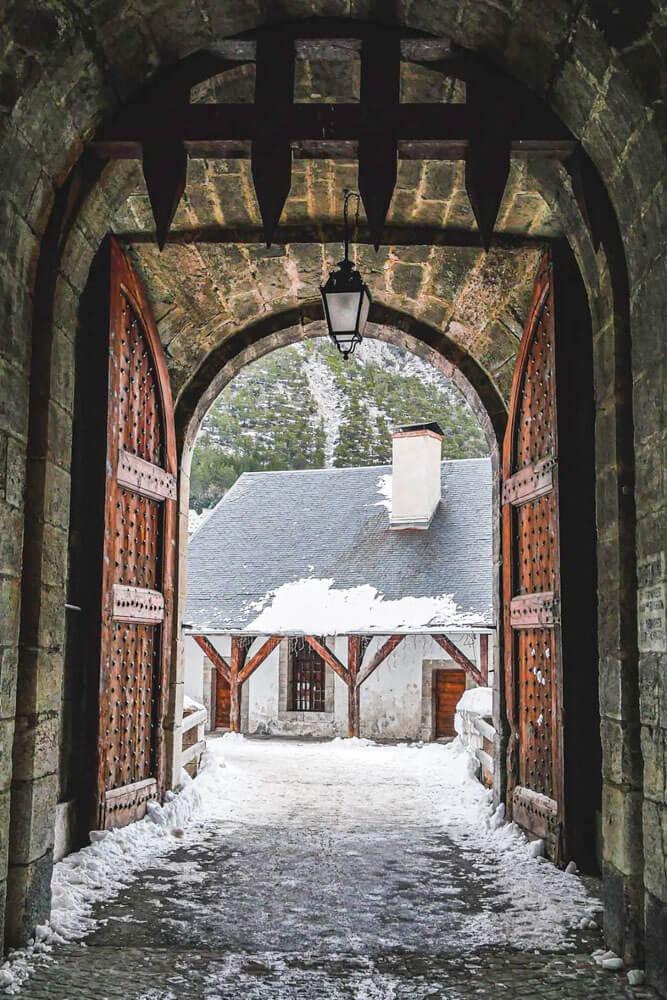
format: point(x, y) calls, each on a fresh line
point(347, 194)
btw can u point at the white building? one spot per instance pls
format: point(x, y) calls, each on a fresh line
point(345, 601)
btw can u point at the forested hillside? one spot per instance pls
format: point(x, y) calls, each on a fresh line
point(305, 407)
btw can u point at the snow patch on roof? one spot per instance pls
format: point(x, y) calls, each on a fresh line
point(314, 606)
point(384, 489)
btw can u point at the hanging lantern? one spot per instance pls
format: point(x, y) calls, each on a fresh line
point(346, 297)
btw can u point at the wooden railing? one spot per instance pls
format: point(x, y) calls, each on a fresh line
point(193, 744)
point(486, 753)
point(479, 737)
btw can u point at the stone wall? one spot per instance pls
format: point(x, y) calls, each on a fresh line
point(64, 68)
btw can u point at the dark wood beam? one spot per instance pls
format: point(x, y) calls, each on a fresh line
point(218, 661)
point(378, 143)
point(239, 653)
point(165, 172)
point(201, 126)
point(258, 658)
point(353, 693)
point(271, 151)
point(484, 656)
point(459, 658)
point(329, 658)
point(379, 657)
point(333, 233)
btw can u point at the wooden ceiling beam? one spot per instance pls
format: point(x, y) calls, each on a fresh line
point(454, 125)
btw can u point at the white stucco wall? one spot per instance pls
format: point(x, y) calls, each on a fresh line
point(396, 702)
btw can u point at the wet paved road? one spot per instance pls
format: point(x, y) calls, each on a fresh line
point(329, 877)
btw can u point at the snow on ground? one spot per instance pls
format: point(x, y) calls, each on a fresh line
point(330, 403)
point(343, 792)
point(314, 605)
point(100, 871)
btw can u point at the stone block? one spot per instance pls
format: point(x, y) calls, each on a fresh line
point(28, 899)
point(57, 486)
point(652, 689)
point(13, 400)
point(54, 556)
point(655, 838)
point(621, 757)
point(41, 681)
point(33, 818)
point(618, 688)
point(65, 828)
point(66, 308)
point(654, 752)
point(606, 500)
point(8, 662)
point(11, 537)
point(51, 628)
point(62, 370)
point(655, 923)
point(36, 746)
point(15, 473)
point(10, 604)
point(16, 308)
point(622, 828)
point(5, 810)
point(623, 904)
point(406, 280)
point(6, 744)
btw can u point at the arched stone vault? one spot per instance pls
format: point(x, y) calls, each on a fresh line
point(66, 67)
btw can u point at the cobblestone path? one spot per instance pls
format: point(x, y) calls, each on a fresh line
point(321, 889)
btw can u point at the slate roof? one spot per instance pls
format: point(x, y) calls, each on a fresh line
point(273, 528)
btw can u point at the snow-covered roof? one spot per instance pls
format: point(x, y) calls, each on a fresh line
point(312, 552)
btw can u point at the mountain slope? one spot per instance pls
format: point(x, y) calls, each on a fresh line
point(305, 407)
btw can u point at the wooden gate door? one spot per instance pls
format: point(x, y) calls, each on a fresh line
point(448, 688)
point(549, 571)
point(531, 563)
point(138, 555)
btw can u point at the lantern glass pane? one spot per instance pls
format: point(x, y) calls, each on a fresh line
point(343, 308)
point(363, 315)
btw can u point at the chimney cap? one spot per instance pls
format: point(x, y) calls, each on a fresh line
point(433, 426)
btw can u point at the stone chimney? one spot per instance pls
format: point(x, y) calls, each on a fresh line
point(415, 478)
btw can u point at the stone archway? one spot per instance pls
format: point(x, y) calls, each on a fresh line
point(604, 96)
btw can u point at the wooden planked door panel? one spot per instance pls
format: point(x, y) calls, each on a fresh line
point(448, 687)
point(223, 702)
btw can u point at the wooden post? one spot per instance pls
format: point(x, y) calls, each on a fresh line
point(353, 691)
point(484, 656)
point(235, 686)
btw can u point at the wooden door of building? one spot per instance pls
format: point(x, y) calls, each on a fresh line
point(138, 554)
point(549, 614)
point(223, 702)
point(448, 687)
